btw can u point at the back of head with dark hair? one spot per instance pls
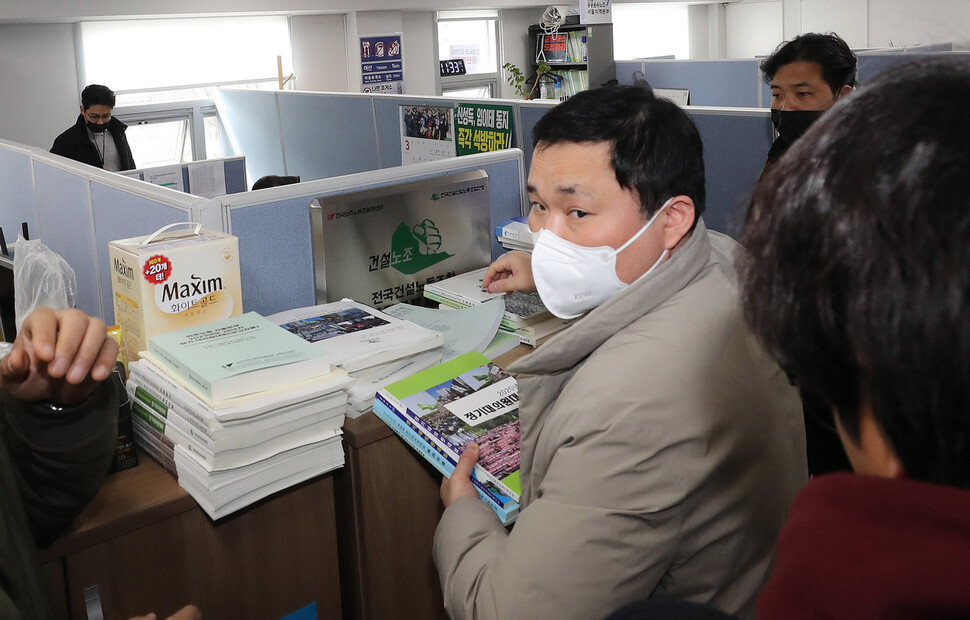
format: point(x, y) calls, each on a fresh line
point(274, 180)
point(859, 271)
point(96, 94)
point(656, 151)
point(839, 64)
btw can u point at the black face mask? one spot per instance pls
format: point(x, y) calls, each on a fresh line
point(95, 127)
point(791, 124)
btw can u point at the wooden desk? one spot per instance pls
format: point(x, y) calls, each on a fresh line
point(149, 547)
point(388, 507)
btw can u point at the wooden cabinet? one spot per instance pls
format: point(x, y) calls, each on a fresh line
point(387, 512)
point(594, 41)
point(148, 547)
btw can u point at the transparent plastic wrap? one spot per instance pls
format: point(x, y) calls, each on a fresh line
point(41, 278)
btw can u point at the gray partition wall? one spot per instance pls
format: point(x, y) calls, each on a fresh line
point(326, 135)
point(66, 227)
point(76, 209)
point(529, 114)
point(736, 142)
point(251, 122)
point(731, 83)
point(871, 65)
point(273, 225)
point(17, 197)
point(233, 167)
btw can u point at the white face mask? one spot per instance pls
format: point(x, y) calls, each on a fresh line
point(573, 279)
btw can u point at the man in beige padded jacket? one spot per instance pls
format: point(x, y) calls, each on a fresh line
point(661, 445)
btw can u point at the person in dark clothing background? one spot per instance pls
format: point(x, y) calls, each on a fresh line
point(806, 75)
point(858, 283)
point(87, 141)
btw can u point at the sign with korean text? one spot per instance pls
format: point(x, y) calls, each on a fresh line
point(381, 64)
point(482, 128)
point(381, 246)
point(595, 12)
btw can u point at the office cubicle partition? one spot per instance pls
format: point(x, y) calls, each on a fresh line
point(320, 135)
point(76, 209)
point(250, 120)
point(233, 168)
point(273, 225)
point(723, 83)
point(872, 64)
point(736, 142)
point(17, 197)
point(529, 113)
point(326, 135)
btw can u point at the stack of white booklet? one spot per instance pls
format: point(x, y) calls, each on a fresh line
point(471, 329)
point(355, 336)
point(230, 453)
point(376, 348)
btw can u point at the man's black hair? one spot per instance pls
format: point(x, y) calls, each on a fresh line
point(829, 51)
point(656, 151)
point(274, 180)
point(859, 272)
point(96, 94)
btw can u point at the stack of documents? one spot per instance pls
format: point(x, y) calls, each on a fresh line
point(375, 347)
point(230, 452)
point(515, 234)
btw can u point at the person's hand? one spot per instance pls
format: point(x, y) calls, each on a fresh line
point(510, 272)
point(59, 355)
point(460, 483)
point(189, 612)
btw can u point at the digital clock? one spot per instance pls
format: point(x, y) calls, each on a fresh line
point(455, 66)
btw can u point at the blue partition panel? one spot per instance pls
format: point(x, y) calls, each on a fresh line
point(327, 135)
point(275, 247)
point(64, 220)
point(625, 70)
point(871, 65)
point(235, 176)
point(251, 122)
point(530, 115)
point(17, 197)
point(735, 147)
point(732, 83)
point(119, 215)
point(275, 254)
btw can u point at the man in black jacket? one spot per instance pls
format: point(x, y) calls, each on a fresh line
point(88, 140)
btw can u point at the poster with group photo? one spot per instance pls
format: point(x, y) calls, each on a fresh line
point(427, 133)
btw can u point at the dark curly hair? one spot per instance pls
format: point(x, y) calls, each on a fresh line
point(858, 278)
point(829, 51)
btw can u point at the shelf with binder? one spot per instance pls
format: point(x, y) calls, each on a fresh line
point(582, 55)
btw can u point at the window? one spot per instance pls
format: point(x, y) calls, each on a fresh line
point(164, 91)
point(471, 36)
point(649, 30)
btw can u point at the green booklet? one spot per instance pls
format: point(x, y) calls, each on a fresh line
point(236, 356)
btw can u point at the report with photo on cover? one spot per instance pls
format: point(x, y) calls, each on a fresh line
point(468, 399)
point(355, 336)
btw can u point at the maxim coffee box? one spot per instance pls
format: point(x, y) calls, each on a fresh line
point(172, 279)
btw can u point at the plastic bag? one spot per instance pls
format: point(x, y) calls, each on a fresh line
point(41, 278)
